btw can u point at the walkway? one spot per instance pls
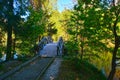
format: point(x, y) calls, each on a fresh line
point(31, 71)
point(36, 68)
point(52, 71)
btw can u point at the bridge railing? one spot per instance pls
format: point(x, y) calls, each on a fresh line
point(60, 46)
point(44, 41)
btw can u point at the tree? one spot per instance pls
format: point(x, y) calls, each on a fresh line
point(65, 17)
point(2, 41)
point(8, 16)
point(115, 11)
point(31, 30)
point(44, 4)
point(100, 24)
point(47, 6)
point(36, 25)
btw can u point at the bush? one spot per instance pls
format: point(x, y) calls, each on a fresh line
point(71, 48)
point(0, 54)
point(84, 67)
point(1, 49)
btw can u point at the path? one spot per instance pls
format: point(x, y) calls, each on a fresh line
point(33, 70)
point(50, 50)
point(52, 71)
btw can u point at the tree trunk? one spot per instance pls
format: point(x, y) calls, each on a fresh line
point(14, 44)
point(82, 46)
point(9, 42)
point(10, 22)
point(39, 38)
point(113, 68)
point(82, 50)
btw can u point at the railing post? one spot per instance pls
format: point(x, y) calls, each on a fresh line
point(43, 42)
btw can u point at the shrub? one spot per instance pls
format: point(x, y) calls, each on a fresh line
point(71, 48)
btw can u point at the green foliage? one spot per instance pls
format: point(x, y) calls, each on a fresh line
point(87, 69)
point(34, 26)
point(1, 67)
point(77, 69)
point(46, 5)
point(90, 24)
point(71, 48)
point(94, 26)
point(2, 41)
point(53, 23)
point(51, 28)
point(1, 52)
point(29, 32)
point(10, 16)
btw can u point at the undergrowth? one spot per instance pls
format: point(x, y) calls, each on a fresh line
point(77, 69)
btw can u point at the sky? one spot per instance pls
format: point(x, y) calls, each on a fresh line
point(68, 4)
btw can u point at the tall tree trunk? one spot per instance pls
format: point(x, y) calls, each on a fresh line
point(82, 46)
point(9, 42)
point(117, 43)
point(113, 68)
point(10, 22)
point(14, 44)
point(39, 38)
point(82, 49)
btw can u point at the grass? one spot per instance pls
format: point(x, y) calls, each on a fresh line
point(71, 70)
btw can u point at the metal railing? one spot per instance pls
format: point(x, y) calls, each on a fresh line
point(47, 40)
point(44, 41)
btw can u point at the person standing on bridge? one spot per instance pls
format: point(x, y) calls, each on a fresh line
point(60, 46)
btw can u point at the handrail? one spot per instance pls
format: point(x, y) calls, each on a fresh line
point(44, 41)
point(60, 46)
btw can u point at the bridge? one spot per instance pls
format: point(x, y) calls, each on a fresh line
point(34, 68)
point(47, 48)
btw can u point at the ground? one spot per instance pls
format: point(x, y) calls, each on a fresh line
point(7, 66)
point(85, 71)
